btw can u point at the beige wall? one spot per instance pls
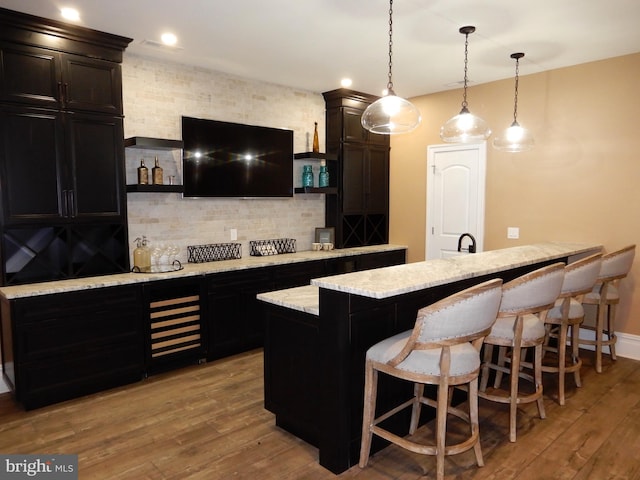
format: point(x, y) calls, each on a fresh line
point(580, 183)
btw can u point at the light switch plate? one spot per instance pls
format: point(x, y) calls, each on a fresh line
point(513, 232)
point(234, 234)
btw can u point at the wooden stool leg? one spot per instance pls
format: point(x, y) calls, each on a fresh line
point(537, 376)
point(488, 354)
point(473, 419)
point(611, 333)
point(575, 352)
point(513, 392)
point(418, 392)
point(370, 393)
point(502, 354)
point(441, 425)
point(562, 358)
point(599, 324)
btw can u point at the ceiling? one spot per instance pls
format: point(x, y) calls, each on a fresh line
point(313, 44)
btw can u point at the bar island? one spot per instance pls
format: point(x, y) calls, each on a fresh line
point(317, 336)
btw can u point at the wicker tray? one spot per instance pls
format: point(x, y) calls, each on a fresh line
point(214, 252)
point(261, 248)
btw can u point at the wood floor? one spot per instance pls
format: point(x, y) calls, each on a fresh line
point(207, 422)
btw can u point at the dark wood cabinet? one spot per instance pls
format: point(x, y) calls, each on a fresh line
point(61, 150)
point(65, 167)
point(360, 211)
point(60, 346)
point(235, 315)
point(45, 77)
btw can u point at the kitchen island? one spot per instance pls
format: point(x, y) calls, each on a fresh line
point(317, 336)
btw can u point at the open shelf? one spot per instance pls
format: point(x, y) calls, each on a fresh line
point(327, 190)
point(312, 155)
point(153, 143)
point(155, 188)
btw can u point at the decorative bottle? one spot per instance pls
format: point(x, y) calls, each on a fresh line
point(307, 176)
point(323, 176)
point(157, 174)
point(142, 255)
point(316, 142)
point(143, 173)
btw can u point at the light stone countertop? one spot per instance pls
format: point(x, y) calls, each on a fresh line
point(389, 281)
point(189, 270)
point(397, 280)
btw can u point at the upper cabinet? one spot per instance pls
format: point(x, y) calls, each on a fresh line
point(62, 177)
point(360, 211)
point(40, 76)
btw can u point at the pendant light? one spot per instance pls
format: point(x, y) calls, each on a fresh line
point(390, 114)
point(465, 127)
point(515, 138)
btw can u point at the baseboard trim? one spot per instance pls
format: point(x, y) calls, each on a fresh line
point(627, 345)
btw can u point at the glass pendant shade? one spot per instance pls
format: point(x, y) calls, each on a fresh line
point(514, 139)
point(390, 115)
point(465, 128)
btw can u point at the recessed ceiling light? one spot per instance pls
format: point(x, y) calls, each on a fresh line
point(70, 14)
point(169, 39)
point(346, 82)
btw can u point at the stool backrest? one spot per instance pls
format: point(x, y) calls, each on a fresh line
point(462, 317)
point(581, 276)
point(617, 264)
point(533, 292)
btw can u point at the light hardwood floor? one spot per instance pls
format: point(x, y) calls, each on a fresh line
point(208, 422)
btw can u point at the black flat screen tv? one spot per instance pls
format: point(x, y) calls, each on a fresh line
point(222, 159)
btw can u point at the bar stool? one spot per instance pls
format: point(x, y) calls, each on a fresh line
point(443, 349)
point(605, 296)
point(567, 315)
point(520, 325)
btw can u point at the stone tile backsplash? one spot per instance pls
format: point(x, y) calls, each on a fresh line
point(156, 95)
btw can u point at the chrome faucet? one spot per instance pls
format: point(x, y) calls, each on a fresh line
point(472, 247)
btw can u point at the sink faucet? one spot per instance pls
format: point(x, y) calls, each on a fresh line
point(472, 247)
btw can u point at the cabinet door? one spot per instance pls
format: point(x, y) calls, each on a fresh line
point(353, 186)
point(352, 125)
point(235, 315)
point(30, 75)
point(96, 155)
point(91, 84)
point(31, 162)
point(377, 180)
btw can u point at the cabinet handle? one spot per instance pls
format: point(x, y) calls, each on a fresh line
point(60, 92)
point(65, 92)
point(72, 199)
point(65, 201)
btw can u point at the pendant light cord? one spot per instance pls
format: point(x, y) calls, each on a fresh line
point(516, 57)
point(390, 82)
point(515, 97)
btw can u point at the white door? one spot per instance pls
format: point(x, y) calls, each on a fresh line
point(455, 198)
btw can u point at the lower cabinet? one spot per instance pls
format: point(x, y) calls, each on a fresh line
point(235, 315)
point(61, 346)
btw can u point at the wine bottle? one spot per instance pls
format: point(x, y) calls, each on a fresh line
point(316, 142)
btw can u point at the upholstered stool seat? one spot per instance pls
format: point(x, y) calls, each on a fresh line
point(520, 325)
point(442, 349)
point(564, 319)
point(605, 296)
